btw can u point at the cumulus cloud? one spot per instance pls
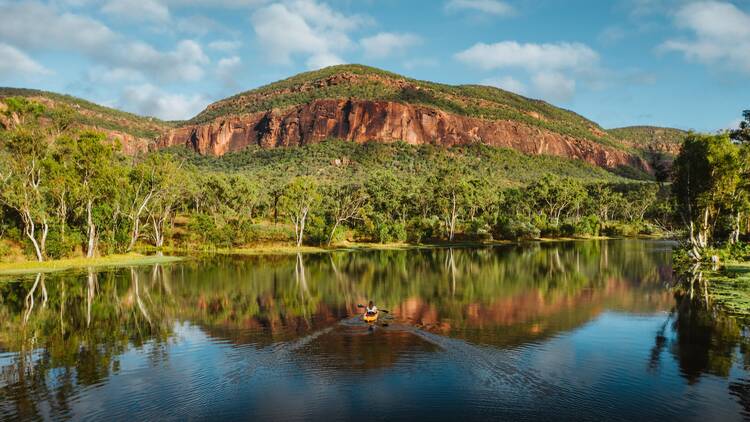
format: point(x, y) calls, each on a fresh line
point(35, 26)
point(492, 7)
point(507, 83)
point(721, 34)
point(532, 57)
point(304, 28)
point(106, 75)
point(227, 68)
point(149, 100)
point(137, 10)
point(185, 62)
point(386, 44)
point(552, 66)
point(14, 62)
point(224, 45)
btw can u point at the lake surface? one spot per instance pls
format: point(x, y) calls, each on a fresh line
point(575, 330)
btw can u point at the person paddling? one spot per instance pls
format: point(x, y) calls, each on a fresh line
point(371, 309)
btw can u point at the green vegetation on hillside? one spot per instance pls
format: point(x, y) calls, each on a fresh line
point(649, 135)
point(87, 114)
point(69, 193)
point(367, 83)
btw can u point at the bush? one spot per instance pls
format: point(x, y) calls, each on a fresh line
point(421, 229)
point(516, 230)
point(57, 247)
point(588, 226)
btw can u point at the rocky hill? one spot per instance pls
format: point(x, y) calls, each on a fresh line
point(361, 104)
point(135, 133)
point(651, 138)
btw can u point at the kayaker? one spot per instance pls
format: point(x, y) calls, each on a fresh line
point(371, 309)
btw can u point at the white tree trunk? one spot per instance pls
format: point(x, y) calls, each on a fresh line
point(91, 230)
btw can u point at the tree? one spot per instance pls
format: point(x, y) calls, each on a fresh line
point(742, 134)
point(300, 197)
point(706, 181)
point(171, 190)
point(347, 204)
point(145, 179)
point(96, 172)
point(638, 200)
point(555, 196)
point(451, 194)
point(25, 183)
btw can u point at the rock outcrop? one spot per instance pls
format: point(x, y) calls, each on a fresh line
point(385, 121)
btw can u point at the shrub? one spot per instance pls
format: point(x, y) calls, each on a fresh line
point(516, 230)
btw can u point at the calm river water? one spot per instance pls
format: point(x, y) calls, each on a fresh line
point(577, 330)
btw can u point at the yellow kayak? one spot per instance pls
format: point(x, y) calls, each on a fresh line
point(370, 318)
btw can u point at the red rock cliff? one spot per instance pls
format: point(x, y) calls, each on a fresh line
point(362, 121)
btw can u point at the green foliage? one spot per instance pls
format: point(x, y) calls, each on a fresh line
point(710, 185)
point(742, 133)
point(649, 135)
point(66, 111)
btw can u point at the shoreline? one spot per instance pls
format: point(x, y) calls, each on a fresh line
point(54, 265)
point(146, 255)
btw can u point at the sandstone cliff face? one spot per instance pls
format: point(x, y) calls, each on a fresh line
point(361, 121)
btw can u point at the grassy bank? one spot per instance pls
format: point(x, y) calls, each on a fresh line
point(30, 267)
point(730, 288)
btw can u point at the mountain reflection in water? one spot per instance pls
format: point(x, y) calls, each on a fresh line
point(496, 331)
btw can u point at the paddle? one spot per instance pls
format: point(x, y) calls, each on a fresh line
point(381, 310)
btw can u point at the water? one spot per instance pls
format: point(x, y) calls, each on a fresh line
point(576, 330)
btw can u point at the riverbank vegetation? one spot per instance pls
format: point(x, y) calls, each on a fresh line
point(711, 192)
point(68, 193)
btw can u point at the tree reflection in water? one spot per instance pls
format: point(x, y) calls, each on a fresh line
point(69, 330)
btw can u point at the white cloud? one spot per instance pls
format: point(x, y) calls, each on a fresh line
point(721, 34)
point(552, 67)
point(554, 86)
point(507, 83)
point(231, 4)
point(137, 10)
point(321, 60)
point(304, 28)
point(493, 7)
point(224, 45)
point(35, 26)
point(185, 62)
point(14, 62)
point(532, 57)
point(227, 68)
point(113, 75)
point(149, 100)
point(386, 44)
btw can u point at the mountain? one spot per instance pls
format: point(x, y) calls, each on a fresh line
point(360, 104)
point(651, 138)
point(135, 133)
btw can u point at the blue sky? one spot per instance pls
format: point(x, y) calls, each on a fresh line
point(676, 63)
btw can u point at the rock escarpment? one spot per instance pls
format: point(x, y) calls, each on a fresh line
point(385, 121)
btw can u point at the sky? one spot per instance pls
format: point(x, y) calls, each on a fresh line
point(676, 63)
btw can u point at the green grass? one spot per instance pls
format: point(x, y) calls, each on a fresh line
point(31, 267)
point(368, 83)
point(730, 288)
